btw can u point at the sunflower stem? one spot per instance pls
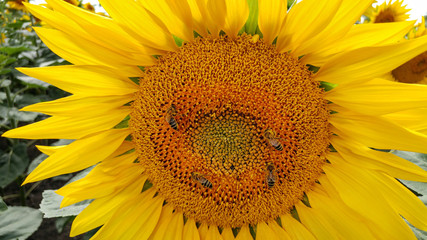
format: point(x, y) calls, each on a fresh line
point(22, 194)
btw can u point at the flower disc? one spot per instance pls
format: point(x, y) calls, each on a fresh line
point(199, 125)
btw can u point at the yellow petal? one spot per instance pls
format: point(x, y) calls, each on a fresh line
point(359, 36)
point(280, 232)
point(213, 233)
point(358, 194)
point(364, 157)
point(237, 12)
point(216, 11)
point(84, 105)
point(100, 182)
point(401, 199)
point(173, 231)
point(79, 155)
point(244, 233)
point(306, 19)
point(167, 227)
point(93, 27)
point(366, 63)
point(227, 234)
point(295, 229)
point(135, 219)
point(203, 231)
point(190, 230)
point(59, 127)
point(199, 13)
point(131, 14)
point(49, 150)
point(100, 210)
point(264, 232)
point(176, 15)
point(271, 15)
point(316, 222)
point(377, 132)
point(80, 51)
point(373, 97)
point(347, 14)
point(410, 118)
point(84, 80)
point(89, 33)
point(340, 217)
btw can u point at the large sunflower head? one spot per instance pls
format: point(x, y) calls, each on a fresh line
point(388, 12)
point(231, 119)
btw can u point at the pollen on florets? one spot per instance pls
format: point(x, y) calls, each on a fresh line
point(217, 166)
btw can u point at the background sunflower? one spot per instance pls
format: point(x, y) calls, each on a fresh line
point(248, 136)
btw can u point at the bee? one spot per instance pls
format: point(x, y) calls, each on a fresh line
point(270, 135)
point(170, 114)
point(271, 178)
point(201, 179)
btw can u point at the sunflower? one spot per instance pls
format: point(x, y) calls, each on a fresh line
point(89, 7)
point(231, 119)
point(414, 70)
point(17, 4)
point(388, 12)
point(2, 37)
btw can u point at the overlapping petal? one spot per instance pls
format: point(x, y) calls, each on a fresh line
point(373, 97)
point(140, 24)
point(79, 154)
point(270, 18)
point(366, 63)
point(357, 193)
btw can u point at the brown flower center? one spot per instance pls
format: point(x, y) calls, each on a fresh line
point(412, 71)
point(387, 15)
point(230, 131)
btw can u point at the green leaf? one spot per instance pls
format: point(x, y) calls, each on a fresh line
point(8, 60)
point(18, 223)
point(13, 164)
point(178, 41)
point(9, 50)
point(90, 234)
point(32, 82)
point(51, 202)
point(124, 123)
point(327, 86)
point(15, 25)
point(419, 234)
point(3, 59)
point(14, 113)
point(420, 160)
point(36, 161)
point(5, 71)
point(55, 93)
point(252, 22)
point(291, 3)
point(61, 222)
point(5, 83)
point(23, 100)
point(3, 206)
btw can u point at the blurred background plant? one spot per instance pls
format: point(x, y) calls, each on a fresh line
point(20, 216)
